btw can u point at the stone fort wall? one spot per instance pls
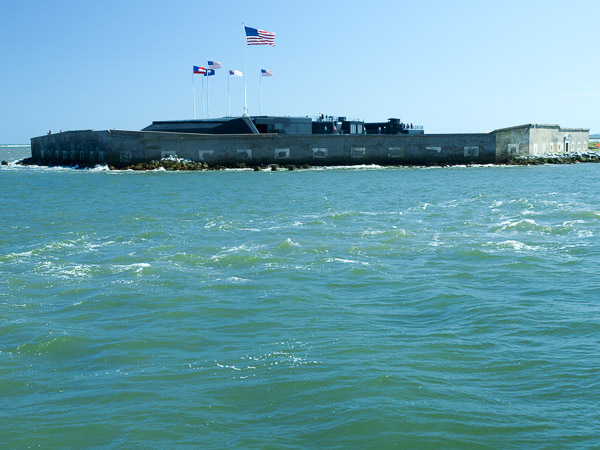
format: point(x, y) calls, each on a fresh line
point(119, 147)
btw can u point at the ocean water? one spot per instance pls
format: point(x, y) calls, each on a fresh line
point(357, 307)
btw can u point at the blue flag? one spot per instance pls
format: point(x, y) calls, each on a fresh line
point(209, 72)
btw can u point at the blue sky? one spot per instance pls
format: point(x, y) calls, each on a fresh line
point(460, 66)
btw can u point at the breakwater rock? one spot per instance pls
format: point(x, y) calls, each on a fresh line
point(555, 158)
point(170, 164)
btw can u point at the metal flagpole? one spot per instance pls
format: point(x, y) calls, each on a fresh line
point(194, 92)
point(203, 116)
point(245, 101)
point(261, 92)
point(207, 95)
point(228, 97)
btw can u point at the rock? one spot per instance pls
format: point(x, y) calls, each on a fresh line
point(5, 163)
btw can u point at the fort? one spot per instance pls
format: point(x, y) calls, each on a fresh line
point(326, 140)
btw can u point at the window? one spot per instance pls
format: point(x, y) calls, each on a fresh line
point(244, 154)
point(357, 152)
point(203, 154)
point(471, 151)
point(282, 153)
point(319, 153)
point(395, 152)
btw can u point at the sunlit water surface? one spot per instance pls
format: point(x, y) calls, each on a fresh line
point(454, 307)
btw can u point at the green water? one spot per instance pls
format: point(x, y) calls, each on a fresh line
point(455, 307)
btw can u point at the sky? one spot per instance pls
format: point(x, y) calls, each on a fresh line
point(450, 66)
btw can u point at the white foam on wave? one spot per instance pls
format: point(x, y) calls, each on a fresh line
point(15, 165)
point(512, 223)
point(99, 168)
point(512, 245)
point(356, 167)
point(237, 248)
point(237, 280)
point(436, 242)
point(372, 232)
point(77, 271)
point(20, 255)
point(137, 267)
point(289, 243)
point(571, 223)
point(346, 261)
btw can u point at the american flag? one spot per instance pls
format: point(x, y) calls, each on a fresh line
point(259, 37)
point(200, 70)
point(266, 73)
point(214, 65)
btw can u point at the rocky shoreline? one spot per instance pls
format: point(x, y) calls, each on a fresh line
point(170, 164)
point(555, 158)
point(179, 164)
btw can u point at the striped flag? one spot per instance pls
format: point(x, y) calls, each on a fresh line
point(235, 73)
point(200, 70)
point(214, 65)
point(259, 37)
point(266, 73)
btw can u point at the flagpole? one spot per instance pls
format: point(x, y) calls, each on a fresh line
point(261, 92)
point(207, 95)
point(194, 93)
point(228, 97)
point(245, 98)
point(203, 115)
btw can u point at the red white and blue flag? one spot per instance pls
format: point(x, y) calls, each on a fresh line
point(266, 73)
point(235, 73)
point(214, 65)
point(200, 70)
point(255, 36)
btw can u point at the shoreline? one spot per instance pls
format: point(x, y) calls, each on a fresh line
point(171, 164)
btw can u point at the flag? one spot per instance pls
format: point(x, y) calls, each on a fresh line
point(235, 73)
point(209, 72)
point(266, 73)
point(259, 37)
point(200, 70)
point(214, 65)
